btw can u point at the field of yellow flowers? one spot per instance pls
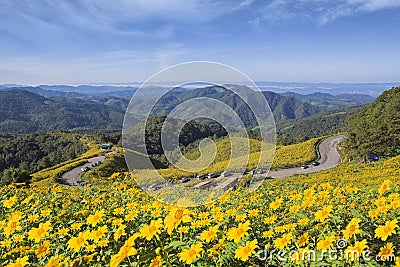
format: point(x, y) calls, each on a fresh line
point(113, 223)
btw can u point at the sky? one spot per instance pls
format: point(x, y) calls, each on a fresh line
point(122, 41)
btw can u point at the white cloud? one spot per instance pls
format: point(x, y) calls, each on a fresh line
point(322, 11)
point(113, 66)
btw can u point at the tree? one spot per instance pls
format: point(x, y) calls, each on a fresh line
point(15, 175)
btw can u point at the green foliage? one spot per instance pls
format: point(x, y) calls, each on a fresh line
point(329, 122)
point(14, 175)
point(116, 163)
point(376, 127)
point(34, 152)
point(24, 112)
point(333, 102)
point(283, 107)
point(190, 132)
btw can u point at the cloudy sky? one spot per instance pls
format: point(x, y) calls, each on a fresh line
point(102, 41)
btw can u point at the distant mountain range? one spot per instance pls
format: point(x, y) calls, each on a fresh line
point(333, 101)
point(33, 109)
point(26, 112)
point(126, 90)
point(23, 111)
point(373, 89)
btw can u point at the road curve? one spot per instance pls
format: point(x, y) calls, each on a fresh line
point(73, 176)
point(329, 158)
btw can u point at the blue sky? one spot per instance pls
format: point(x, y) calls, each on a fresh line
point(102, 41)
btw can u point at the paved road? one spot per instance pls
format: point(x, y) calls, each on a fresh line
point(73, 176)
point(330, 158)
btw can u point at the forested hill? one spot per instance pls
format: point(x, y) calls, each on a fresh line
point(376, 127)
point(26, 112)
point(283, 107)
point(34, 152)
point(329, 101)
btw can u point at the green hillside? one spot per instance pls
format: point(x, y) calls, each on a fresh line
point(34, 152)
point(329, 101)
point(324, 123)
point(376, 127)
point(26, 112)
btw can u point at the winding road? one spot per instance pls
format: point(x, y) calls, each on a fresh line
point(73, 176)
point(329, 158)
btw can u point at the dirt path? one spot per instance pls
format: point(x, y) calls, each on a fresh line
point(330, 158)
point(73, 176)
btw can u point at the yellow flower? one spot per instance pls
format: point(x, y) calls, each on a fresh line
point(303, 221)
point(294, 208)
point(120, 232)
point(253, 212)
point(373, 214)
point(324, 244)
point(76, 226)
point(270, 220)
point(19, 238)
point(276, 204)
point(119, 211)
point(209, 234)
point(203, 215)
point(268, 234)
point(352, 228)
point(155, 213)
point(184, 229)
point(63, 231)
point(40, 232)
point(175, 217)
point(230, 212)
point(303, 240)
point(76, 243)
point(55, 261)
point(236, 234)
point(90, 248)
point(156, 262)
point(218, 217)
point(241, 217)
point(46, 212)
point(5, 243)
point(97, 234)
point(33, 217)
point(43, 249)
point(103, 243)
point(244, 252)
point(386, 252)
point(283, 241)
point(384, 187)
point(384, 231)
point(354, 252)
point(131, 215)
point(124, 252)
point(189, 255)
point(94, 219)
point(20, 262)
point(13, 224)
point(321, 215)
point(10, 202)
point(151, 230)
point(117, 222)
